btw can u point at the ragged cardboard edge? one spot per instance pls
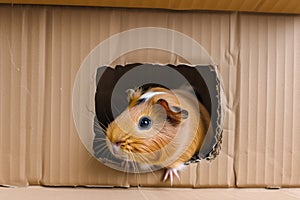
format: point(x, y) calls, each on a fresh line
point(221, 115)
point(160, 64)
point(216, 148)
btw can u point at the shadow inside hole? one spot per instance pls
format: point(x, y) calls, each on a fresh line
point(108, 77)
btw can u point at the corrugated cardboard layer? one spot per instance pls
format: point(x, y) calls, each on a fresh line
point(272, 6)
point(268, 133)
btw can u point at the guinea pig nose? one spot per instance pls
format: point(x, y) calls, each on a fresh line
point(118, 143)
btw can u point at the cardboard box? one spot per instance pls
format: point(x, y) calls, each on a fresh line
point(42, 49)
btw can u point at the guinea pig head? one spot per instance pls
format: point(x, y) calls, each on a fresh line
point(147, 126)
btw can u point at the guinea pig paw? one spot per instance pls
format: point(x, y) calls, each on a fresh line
point(171, 172)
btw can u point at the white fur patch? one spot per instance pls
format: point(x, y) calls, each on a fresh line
point(149, 95)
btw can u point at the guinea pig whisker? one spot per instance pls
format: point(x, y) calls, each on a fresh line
point(107, 117)
point(99, 139)
point(147, 165)
point(99, 124)
point(100, 147)
point(134, 163)
point(98, 130)
point(125, 165)
point(101, 150)
point(144, 160)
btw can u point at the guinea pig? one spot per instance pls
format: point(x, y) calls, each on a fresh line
point(159, 127)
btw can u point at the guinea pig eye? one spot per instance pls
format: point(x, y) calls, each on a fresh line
point(145, 123)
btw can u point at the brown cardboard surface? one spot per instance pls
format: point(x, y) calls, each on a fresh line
point(267, 147)
point(35, 193)
point(22, 97)
point(42, 49)
point(271, 6)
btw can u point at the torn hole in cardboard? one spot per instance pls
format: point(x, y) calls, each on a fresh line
point(110, 101)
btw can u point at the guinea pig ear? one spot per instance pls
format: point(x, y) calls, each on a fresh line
point(130, 94)
point(133, 94)
point(175, 114)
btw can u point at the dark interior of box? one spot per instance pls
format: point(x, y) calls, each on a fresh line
point(144, 76)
